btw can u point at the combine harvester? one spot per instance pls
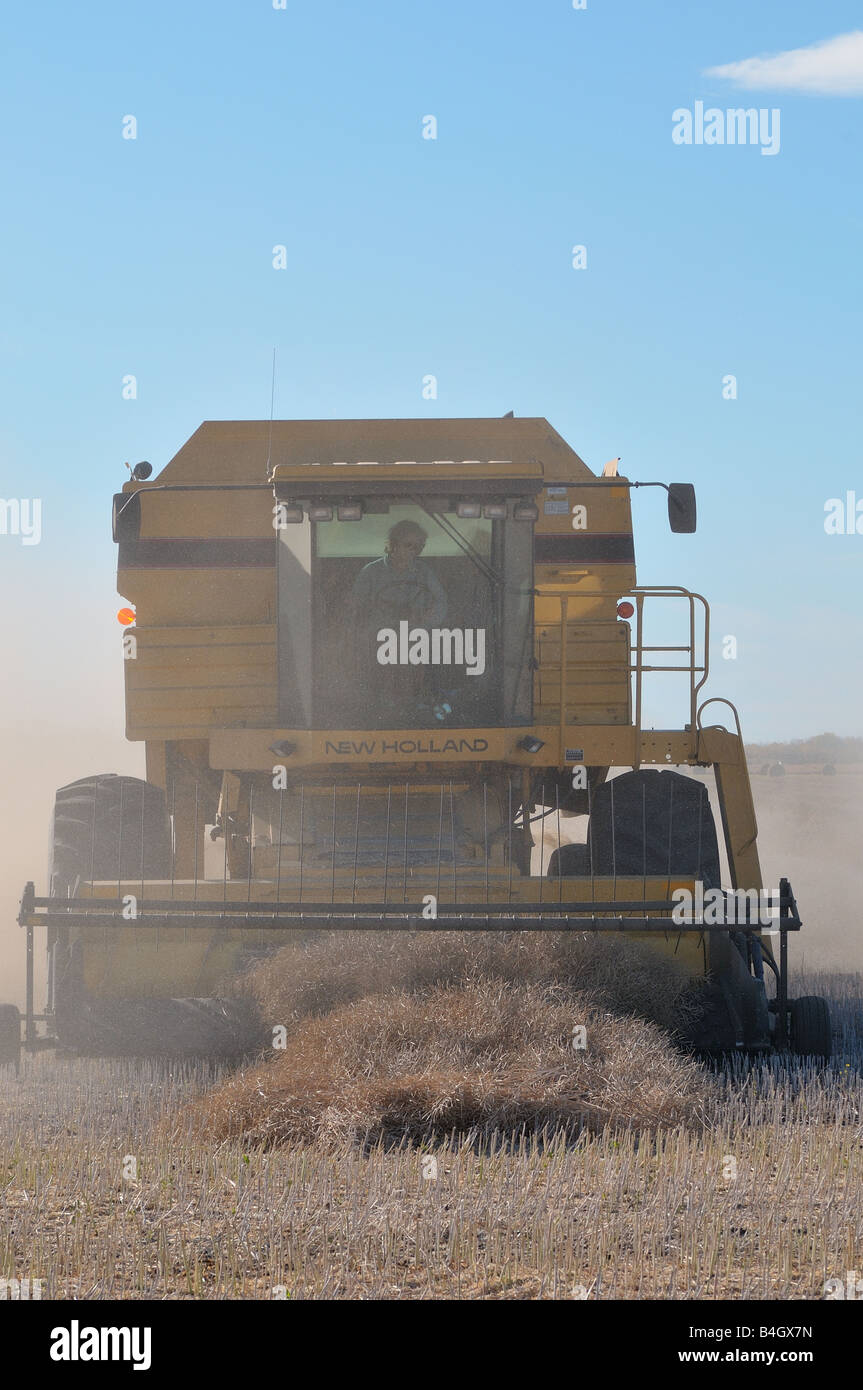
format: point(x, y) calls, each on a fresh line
point(372, 674)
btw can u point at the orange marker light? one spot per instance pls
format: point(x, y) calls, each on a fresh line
point(126, 616)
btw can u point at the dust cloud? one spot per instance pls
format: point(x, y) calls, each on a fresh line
point(810, 831)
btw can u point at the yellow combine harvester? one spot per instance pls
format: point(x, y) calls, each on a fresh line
point(382, 680)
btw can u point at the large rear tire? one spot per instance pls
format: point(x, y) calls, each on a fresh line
point(104, 827)
point(646, 822)
point(109, 827)
point(811, 1034)
point(10, 1036)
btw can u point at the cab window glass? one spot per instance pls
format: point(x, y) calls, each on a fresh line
point(404, 620)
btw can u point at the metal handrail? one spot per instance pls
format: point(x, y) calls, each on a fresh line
point(638, 668)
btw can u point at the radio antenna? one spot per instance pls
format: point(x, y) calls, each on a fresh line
point(272, 403)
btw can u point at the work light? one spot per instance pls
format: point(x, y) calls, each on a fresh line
point(526, 511)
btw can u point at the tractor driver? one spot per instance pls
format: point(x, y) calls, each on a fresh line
point(396, 588)
point(399, 585)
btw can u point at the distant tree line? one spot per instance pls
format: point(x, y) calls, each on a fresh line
point(823, 748)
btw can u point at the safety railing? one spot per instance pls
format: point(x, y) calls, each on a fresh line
point(696, 651)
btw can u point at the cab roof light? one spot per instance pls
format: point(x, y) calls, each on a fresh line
point(525, 511)
point(320, 511)
point(350, 511)
point(468, 510)
point(494, 511)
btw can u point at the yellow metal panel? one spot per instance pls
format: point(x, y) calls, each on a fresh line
point(236, 633)
point(206, 514)
point(237, 667)
point(183, 680)
point(593, 592)
point(177, 597)
point(224, 696)
point(582, 650)
point(600, 746)
point(137, 961)
point(594, 687)
point(725, 751)
point(237, 450)
point(316, 878)
point(607, 507)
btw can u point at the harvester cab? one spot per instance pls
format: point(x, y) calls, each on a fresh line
point(396, 680)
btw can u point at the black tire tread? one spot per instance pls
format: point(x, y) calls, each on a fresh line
point(119, 808)
point(811, 1034)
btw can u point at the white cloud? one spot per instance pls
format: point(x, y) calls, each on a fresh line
point(832, 67)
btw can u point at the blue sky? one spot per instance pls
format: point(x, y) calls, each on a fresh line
point(452, 256)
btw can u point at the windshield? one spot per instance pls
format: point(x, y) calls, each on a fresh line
point(411, 620)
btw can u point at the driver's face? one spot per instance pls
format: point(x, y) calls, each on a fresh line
point(404, 552)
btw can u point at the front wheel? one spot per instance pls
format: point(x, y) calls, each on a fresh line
point(811, 1034)
point(10, 1036)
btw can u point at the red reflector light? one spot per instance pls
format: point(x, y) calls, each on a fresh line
point(625, 610)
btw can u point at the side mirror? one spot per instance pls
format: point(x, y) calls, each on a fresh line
point(681, 508)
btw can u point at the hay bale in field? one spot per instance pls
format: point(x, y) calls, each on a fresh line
point(410, 1037)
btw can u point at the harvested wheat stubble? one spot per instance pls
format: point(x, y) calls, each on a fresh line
point(614, 1213)
point(452, 1034)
